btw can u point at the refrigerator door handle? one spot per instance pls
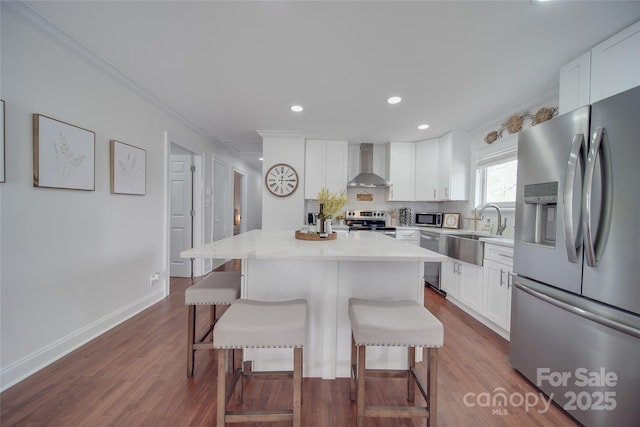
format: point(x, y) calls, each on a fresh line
point(594, 247)
point(610, 323)
point(576, 155)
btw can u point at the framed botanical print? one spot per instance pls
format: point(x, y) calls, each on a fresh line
point(63, 155)
point(128, 169)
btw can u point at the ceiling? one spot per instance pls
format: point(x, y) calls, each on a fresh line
point(231, 68)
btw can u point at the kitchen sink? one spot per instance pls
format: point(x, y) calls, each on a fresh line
point(468, 236)
point(465, 247)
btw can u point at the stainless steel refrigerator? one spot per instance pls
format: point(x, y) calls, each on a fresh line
point(575, 313)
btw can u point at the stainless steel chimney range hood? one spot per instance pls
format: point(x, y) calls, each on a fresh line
point(366, 177)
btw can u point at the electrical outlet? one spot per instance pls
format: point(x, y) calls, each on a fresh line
point(155, 279)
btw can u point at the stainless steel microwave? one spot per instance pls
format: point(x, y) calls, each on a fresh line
point(429, 219)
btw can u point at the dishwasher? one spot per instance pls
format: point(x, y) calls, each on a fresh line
point(433, 241)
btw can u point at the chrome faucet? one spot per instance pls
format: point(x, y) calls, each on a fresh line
point(501, 225)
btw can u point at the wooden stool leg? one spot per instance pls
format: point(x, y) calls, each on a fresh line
point(432, 378)
point(297, 386)
point(354, 355)
point(411, 381)
point(237, 366)
point(361, 380)
point(221, 401)
point(191, 338)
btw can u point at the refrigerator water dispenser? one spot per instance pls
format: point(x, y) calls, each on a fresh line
point(540, 203)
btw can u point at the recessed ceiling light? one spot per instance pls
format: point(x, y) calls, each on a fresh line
point(261, 158)
point(296, 108)
point(423, 126)
point(394, 100)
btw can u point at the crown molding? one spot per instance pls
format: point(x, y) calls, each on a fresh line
point(47, 28)
point(279, 134)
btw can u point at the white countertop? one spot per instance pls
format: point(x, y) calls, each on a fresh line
point(502, 241)
point(282, 245)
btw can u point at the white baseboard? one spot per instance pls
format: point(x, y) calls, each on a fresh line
point(23, 368)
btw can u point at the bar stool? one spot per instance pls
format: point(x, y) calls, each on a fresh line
point(260, 324)
point(394, 323)
point(219, 288)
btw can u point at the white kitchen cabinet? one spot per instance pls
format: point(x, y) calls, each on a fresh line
point(497, 284)
point(470, 284)
point(401, 167)
point(449, 281)
point(615, 64)
point(575, 83)
point(611, 67)
point(325, 166)
point(454, 156)
point(463, 281)
point(426, 170)
point(408, 235)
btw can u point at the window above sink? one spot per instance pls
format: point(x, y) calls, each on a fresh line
point(496, 172)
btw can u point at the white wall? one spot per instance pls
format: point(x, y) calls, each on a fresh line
point(75, 263)
point(283, 212)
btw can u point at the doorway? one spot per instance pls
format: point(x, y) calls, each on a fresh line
point(239, 202)
point(185, 209)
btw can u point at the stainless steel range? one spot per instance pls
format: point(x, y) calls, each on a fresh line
point(375, 221)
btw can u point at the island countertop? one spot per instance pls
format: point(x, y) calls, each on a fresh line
point(282, 245)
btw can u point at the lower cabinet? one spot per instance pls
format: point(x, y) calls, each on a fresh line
point(483, 292)
point(496, 302)
point(463, 281)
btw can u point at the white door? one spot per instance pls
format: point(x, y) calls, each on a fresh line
point(180, 217)
point(219, 200)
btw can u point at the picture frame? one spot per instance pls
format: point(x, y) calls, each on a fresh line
point(3, 163)
point(63, 155)
point(128, 169)
point(451, 220)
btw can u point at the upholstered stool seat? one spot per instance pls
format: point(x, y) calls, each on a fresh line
point(218, 288)
point(260, 324)
point(394, 323)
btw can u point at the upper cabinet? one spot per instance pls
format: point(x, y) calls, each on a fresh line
point(615, 64)
point(427, 181)
point(575, 82)
point(431, 170)
point(325, 166)
point(609, 68)
point(454, 157)
point(401, 167)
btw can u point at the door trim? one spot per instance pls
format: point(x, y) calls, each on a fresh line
point(198, 201)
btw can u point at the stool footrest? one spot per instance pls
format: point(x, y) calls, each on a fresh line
point(395, 412)
point(254, 416)
point(203, 346)
point(386, 373)
point(269, 375)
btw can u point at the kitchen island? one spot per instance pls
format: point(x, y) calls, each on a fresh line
point(276, 266)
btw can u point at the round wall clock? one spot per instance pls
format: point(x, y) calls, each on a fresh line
point(281, 180)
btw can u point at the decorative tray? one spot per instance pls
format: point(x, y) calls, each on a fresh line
point(315, 236)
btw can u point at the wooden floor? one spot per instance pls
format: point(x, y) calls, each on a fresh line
point(135, 375)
